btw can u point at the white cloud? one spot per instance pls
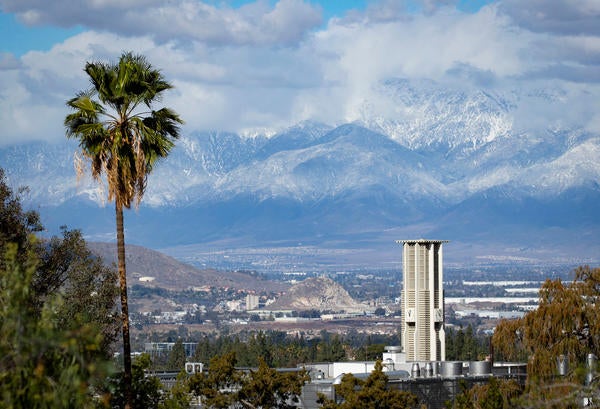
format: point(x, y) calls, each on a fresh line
point(271, 70)
point(181, 21)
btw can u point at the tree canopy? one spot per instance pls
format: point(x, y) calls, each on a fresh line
point(57, 313)
point(224, 386)
point(371, 393)
point(565, 324)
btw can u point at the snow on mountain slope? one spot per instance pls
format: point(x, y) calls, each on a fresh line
point(431, 118)
point(447, 162)
point(349, 158)
point(577, 167)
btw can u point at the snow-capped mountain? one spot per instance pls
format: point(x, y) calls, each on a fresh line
point(446, 163)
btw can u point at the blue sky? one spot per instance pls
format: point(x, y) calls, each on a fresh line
point(253, 66)
point(18, 38)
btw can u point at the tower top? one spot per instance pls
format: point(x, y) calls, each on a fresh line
point(421, 241)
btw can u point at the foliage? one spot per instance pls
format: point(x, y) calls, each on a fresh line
point(330, 348)
point(560, 394)
point(62, 265)
point(177, 357)
point(495, 394)
point(369, 352)
point(17, 224)
point(465, 345)
point(120, 132)
point(217, 387)
point(281, 350)
point(86, 284)
point(146, 389)
point(566, 322)
point(43, 364)
point(371, 393)
point(267, 388)
point(224, 386)
point(178, 397)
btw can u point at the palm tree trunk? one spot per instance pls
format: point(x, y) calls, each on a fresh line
point(124, 307)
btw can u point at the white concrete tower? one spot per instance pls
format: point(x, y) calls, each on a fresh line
point(423, 335)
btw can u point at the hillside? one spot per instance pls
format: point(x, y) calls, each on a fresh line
point(317, 293)
point(152, 268)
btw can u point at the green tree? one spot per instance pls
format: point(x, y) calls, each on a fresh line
point(178, 396)
point(259, 348)
point(217, 387)
point(42, 363)
point(63, 265)
point(87, 286)
point(123, 136)
point(267, 388)
point(495, 394)
point(17, 224)
point(224, 386)
point(331, 348)
point(465, 345)
point(371, 393)
point(146, 389)
point(177, 358)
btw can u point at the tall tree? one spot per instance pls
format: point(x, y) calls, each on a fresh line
point(566, 323)
point(122, 136)
point(177, 358)
point(494, 394)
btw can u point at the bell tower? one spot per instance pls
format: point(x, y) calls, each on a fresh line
point(423, 334)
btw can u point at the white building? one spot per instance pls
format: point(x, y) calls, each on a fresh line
point(252, 302)
point(423, 335)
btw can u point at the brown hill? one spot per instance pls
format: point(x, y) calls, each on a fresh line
point(317, 293)
point(154, 269)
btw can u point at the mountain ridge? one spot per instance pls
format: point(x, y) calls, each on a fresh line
point(148, 267)
point(446, 162)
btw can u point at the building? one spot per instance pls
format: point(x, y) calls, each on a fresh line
point(423, 336)
point(164, 348)
point(252, 302)
point(434, 383)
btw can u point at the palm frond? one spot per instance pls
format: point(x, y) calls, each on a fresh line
point(121, 141)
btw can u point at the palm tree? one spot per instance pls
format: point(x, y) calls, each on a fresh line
point(123, 137)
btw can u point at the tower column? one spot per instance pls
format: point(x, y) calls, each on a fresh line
point(423, 335)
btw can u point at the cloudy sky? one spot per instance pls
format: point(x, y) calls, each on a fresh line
point(258, 66)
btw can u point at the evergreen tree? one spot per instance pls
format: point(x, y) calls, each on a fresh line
point(216, 388)
point(146, 390)
point(177, 357)
point(372, 393)
point(267, 388)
